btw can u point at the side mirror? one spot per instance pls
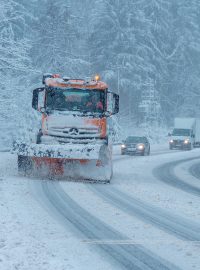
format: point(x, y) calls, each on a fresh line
point(36, 97)
point(169, 134)
point(116, 103)
point(112, 103)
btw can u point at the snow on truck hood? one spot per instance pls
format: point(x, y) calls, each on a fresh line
point(65, 121)
point(61, 122)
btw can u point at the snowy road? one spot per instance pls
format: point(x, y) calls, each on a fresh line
point(147, 218)
point(92, 228)
point(173, 224)
point(165, 174)
point(195, 170)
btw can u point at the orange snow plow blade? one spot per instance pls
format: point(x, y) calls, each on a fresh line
point(68, 169)
point(57, 162)
point(56, 166)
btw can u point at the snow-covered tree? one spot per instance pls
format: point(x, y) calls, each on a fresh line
point(184, 64)
point(125, 48)
point(138, 47)
point(56, 37)
point(14, 67)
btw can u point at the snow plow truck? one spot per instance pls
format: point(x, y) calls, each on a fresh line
point(74, 141)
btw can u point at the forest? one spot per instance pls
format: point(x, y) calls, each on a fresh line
point(148, 51)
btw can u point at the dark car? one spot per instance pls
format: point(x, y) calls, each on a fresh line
point(135, 145)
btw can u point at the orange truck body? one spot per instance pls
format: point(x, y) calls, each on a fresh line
point(87, 132)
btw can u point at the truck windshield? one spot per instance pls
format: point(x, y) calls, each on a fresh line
point(83, 100)
point(181, 132)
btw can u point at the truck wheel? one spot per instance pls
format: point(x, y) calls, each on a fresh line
point(106, 164)
point(39, 135)
point(25, 165)
point(170, 147)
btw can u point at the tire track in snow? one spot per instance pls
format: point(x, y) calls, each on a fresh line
point(126, 256)
point(162, 219)
point(165, 173)
point(195, 170)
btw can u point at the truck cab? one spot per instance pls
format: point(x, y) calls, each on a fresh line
point(74, 110)
point(181, 139)
point(74, 140)
point(183, 134)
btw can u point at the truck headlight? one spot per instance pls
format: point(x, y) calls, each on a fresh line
point(123, 146)
point(140, 146)
point(171, 141)
point(186, 141)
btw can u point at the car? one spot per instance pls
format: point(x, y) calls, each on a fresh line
point(135, 145)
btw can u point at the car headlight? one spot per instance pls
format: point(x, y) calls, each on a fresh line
point(123, 146)
point(186, 141)
point(171, 141)
point(140, 146)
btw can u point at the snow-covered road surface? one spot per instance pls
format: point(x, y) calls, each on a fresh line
point(195, 170)
point(173, 224)
point(144, 219)
point(165, 173)
point(93, 229)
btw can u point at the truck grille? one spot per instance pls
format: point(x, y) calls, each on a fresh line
point(74, 132)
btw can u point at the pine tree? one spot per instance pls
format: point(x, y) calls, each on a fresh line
point(185, 62)
point(56, 39)
point(14, 67)
point(118, 51)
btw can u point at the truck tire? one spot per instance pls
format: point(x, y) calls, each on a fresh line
point(106, 164)
point(25, 165)
point(38, 138)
